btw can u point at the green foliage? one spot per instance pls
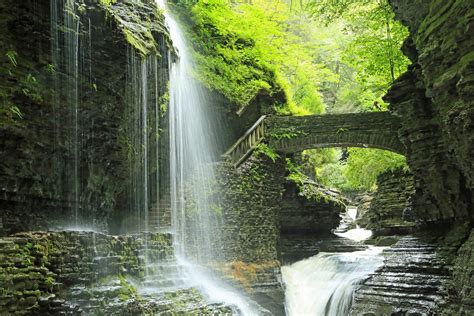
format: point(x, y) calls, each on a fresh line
point(229, 50)
point(364, 165)
point(246, 49)
point(287, 132)
point(323, 165)
point(15, 110)
point(19, 87)
point(358, 172)
point(12, 55)
point(107, 2)
point(294, 172)
point(264, 149)
point(371, 57)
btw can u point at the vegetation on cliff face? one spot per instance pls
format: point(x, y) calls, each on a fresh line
point(140, 23)
point(243, 50)
point(325, 56)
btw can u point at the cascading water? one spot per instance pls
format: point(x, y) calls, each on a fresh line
point(357, 234)
point(323, 285)
point(193, 149)
point(65, 27)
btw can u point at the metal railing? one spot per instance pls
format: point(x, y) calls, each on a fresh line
point(245, 144)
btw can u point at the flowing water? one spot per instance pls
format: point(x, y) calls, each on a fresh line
point(324, 285)
point(357, 234)
point(193, 151)
point(65, 67)
point(141, 134)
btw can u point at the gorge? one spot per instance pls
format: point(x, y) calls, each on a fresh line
point(139, 175)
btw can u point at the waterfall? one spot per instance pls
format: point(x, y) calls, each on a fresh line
point(77, 163)
point(323, 285)
point(357, 234)
point(193, 149)
point(192, 153)
point(65, 48)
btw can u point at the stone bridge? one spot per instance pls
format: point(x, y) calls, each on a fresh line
point(288, 134)
point(370, 129)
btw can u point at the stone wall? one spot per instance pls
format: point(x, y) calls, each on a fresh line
point(49, 272)
point(434, 100)
point(250, 202)
point(94, 274)
point(389, 211)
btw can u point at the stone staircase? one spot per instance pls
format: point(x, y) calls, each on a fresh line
point(244, 146)
point(159, 215)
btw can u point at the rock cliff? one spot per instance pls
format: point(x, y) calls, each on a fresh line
point(389, 210)
point(434, 100)
point(67, 109)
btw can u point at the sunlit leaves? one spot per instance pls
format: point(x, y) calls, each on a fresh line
point(364, 165)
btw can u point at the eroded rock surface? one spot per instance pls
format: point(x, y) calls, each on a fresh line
point(412, 281)
point(91, 273)
point(389, 210)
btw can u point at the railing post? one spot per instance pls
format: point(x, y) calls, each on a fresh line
point(245, 144)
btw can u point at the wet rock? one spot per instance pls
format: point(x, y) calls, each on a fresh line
point(434, 100)
point(386, 212)
point(37, 154)
point(412, 281)
point(460, 300)
point(298, 247)
point(310, 209)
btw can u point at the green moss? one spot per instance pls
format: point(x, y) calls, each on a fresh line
point(107, 2)
point(136, 41)
point(454, 70)
point(127, 291)
point(140, 22)
point(441, 11)
point(286, 132)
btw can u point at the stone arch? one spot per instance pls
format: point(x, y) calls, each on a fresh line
point(289, 134)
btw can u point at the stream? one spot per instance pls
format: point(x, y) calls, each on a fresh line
point(323, 285)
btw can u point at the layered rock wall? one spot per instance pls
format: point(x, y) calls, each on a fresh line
point(49, 272)
point(461, 295)
point(434, 100)
point(313, 211)
point(412, 281)
point(63, 165)
point(389, 210)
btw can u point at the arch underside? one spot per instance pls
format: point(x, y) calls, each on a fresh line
point(378, 141)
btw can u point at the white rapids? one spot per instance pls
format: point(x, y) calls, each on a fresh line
point(324, 285)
